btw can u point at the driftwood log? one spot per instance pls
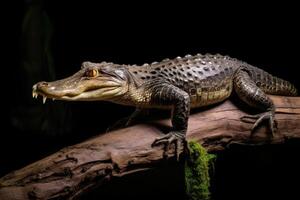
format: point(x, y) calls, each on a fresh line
point(75, 170)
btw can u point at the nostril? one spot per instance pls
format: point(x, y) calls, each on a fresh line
point(43, 84)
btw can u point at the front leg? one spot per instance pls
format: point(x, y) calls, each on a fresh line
point(179, 101)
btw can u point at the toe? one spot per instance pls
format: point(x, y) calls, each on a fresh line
point(167, 140)
point(260, 118)
point(273, 125)
point(248, 119)
point(162, 140)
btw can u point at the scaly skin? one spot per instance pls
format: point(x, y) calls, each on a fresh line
point(178, 84)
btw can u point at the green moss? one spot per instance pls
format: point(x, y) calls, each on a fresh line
point(197, 172)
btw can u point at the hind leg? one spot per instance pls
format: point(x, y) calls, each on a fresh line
point(248, 92)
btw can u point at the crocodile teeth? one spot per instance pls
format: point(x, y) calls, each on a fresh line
point(44, 99)
point(34, 87)
point(34, 94)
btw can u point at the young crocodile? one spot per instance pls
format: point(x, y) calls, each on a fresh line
point(178, 84)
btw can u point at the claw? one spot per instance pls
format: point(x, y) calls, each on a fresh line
point(173, 137)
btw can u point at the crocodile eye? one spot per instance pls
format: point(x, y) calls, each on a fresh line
point(92, 73)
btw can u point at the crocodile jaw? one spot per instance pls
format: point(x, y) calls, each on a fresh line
point(89, 90)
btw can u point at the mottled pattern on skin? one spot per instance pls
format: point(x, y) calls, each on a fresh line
point(207, 79)
point(178, 84)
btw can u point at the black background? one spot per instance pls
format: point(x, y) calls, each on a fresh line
point(263, 35)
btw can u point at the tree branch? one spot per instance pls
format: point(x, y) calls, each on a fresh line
point(75, 170)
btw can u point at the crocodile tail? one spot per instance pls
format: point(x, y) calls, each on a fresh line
point(271, 84)
point(284, 87)
point(277, 86)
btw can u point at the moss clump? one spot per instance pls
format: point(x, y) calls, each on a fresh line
point(197, 165)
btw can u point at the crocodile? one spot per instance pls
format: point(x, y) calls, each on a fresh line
point(177, 84)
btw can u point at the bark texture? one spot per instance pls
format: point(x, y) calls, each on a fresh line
point(76, 169)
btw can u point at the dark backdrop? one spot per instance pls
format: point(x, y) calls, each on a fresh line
point(263, 35)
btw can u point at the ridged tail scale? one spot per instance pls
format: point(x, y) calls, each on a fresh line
point(271, 84)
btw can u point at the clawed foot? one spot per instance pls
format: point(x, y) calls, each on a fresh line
point(177, 138)
point(259, 118)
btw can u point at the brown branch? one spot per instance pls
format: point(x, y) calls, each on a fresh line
point(76, 169)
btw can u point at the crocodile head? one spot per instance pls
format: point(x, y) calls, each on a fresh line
point(95, 81)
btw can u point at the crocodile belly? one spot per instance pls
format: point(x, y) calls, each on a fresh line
point(210, 95)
